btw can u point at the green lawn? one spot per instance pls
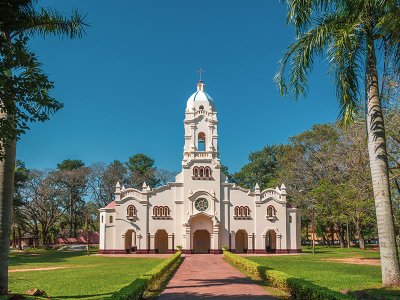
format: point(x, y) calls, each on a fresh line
point(333, 275)
point(84, 277)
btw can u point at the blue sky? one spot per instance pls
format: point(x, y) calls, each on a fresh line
point(125, 83)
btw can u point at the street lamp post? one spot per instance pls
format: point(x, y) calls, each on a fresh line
point(313, 229)
point(87, 232)
point(348, 236)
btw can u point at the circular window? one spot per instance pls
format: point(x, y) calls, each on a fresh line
point(201, 204)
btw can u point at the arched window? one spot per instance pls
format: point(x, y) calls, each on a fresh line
point(131, 211)
point(201, 172)
point(271, 212)
point(166, 211)
point(161, 211)
point(201, 107)
point(196, 172)
point(241, 211)
point(207, 172)
point(246, 211)
point(236, 211)
point(111, 219)
point(201, 145)
point(155, 211)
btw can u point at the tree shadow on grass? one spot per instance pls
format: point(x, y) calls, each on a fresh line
point(377, 294)
point(99, 296)
point(18, 259)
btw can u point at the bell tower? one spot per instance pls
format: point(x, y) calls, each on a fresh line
point(201, 128)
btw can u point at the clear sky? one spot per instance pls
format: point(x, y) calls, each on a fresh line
point(126, 82)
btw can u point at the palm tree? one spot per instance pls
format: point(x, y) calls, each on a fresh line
point(350, 34)
point(24, 93)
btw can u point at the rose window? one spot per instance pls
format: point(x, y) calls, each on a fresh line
point(201, 204)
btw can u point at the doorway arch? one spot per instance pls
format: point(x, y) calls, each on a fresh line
point(201, 241)
point(161, 241)
point(241, 241)
point(130, 241)
point(270, 241)
point(201, 228)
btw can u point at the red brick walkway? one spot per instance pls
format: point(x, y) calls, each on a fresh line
point(206, 276)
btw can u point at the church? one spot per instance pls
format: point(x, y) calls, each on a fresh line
point(201, 212)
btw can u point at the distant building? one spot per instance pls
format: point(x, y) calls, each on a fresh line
point(201, 211)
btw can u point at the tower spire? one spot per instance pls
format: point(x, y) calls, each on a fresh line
point(200, 84)
point(200, 71)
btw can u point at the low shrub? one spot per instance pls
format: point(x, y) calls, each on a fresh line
point(136, 289)
point(298, 288)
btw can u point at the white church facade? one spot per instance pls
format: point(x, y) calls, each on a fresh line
point(201, 211)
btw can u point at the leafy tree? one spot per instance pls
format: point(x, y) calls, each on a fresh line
point(42, 204)
point(70, 164)
point(24, 93)
point(346, 32)
point(261, 169)
point(326, 168)
point(141, 169)
point(225, 171)
point(102, 181)
point(20, 179)
point(72, 175)
point(164, 176)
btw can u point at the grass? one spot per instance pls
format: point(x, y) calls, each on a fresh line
point(364, 279)
point(83, 277)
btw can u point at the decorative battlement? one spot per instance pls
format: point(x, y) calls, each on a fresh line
point(132, 193)
point(270, 193)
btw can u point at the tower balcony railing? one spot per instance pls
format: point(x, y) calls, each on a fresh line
point(203, 154)
point(201, 112)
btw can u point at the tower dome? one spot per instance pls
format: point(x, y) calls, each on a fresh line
point(200, 98)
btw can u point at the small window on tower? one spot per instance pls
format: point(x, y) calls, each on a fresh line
point(201, 146)
point(201, 107)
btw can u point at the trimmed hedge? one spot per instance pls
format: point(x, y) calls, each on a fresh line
point(297, 288)
point(136, 289)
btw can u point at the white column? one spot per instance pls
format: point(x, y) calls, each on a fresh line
point(152, 242)
point(170, 242)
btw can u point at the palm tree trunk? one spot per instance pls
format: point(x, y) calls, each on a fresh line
point(379, 170)
point(7, 169)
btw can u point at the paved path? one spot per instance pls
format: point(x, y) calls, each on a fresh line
point(207, 276)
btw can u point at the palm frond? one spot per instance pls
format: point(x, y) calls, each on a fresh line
point(50, 22)
point(345, 55)
point(300, 55)
point(300, 12)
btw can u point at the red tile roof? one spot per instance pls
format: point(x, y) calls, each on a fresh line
point(111, 204)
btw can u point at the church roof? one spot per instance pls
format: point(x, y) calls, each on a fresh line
point(111, 204)
point(199, 96)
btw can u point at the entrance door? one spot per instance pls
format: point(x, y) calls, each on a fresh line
point(201, 241)
point(161, 241)
point(270, 243)
point(130, 241)
point(241, 238)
